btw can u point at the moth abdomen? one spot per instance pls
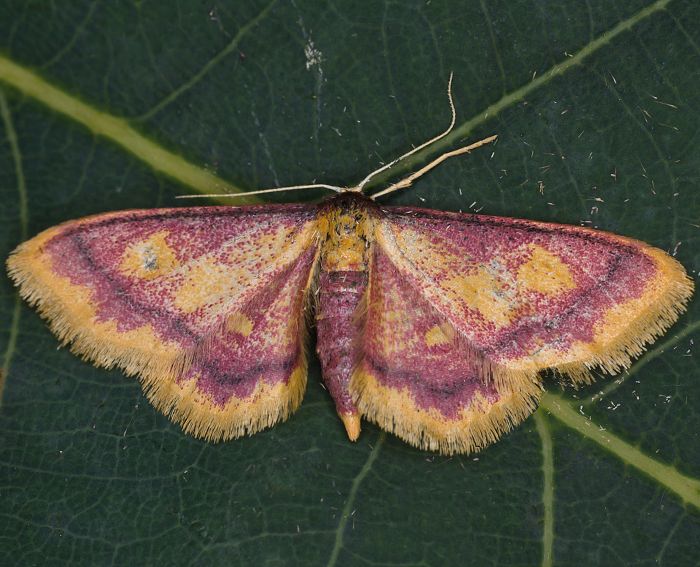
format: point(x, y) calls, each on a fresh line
point(342, 285)
point(340, 299)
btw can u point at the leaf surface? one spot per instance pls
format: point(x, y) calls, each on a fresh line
point(107, 106)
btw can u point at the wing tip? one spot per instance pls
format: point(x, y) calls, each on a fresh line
point(72, 321)
point(667, 299)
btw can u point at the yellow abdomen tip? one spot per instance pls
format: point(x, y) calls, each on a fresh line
point(351, 421)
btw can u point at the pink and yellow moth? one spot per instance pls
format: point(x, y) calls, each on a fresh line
point(435, 325)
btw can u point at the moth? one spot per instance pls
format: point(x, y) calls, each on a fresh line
point(435, 325)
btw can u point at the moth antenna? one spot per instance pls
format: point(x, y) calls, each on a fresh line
point(261, 191)
point(364, 182)
point(407, 181)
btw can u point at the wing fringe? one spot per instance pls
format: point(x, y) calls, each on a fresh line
point(660, 309)
point(481, 425)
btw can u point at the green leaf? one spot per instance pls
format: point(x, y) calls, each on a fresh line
point(105, 106)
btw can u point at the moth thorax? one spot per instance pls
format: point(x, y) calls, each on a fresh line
point(345, 243)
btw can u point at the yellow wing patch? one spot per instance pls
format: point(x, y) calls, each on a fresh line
point(482, 292)
point(239, 323)
point(149, 258)
point(222, 281)
point(439, 335)
point(545, 273)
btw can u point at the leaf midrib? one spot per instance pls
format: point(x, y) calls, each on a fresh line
point(203, 181)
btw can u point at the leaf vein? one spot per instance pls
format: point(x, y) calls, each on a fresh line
point(547, 489)
point(510, 99)
point(11, 134)
point(116, 129)
point(208, 66)
point(350, 502)
point(641, 363)
point(687, 488)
